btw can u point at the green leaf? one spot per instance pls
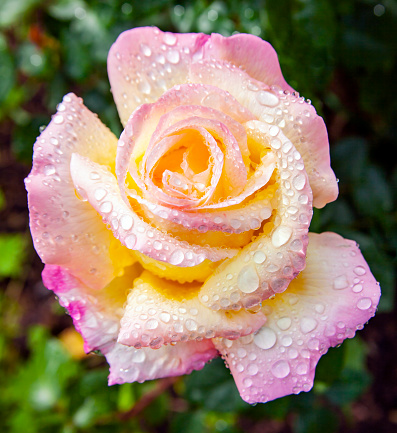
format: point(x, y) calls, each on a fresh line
point(13, 253)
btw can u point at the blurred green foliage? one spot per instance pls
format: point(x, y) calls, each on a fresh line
point(341, 54)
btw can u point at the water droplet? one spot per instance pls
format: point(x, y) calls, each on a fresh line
point(284, 323)
point(340, 282)
point(173, 57)
point(357, 288)
point(364, 303)
point(49, 170)
point(177, 257)
point(144, 87)
point(169, 39)
point(281, 236)
point(191, 325)
point(99, 194)
point(248, 279)
point(146, 51)
point(130, 241)
point(252, 369)
point(165, 317)
point(106, 207)
point(247, 382)
point(58, 119)
point(267, 98)
point(302, 368)
point(308, 324)
point(359, 270)
point(265, 338)
point(280, 369)
point(126, 222)
point(299, 181)
point(259, 257)
point(151, 324)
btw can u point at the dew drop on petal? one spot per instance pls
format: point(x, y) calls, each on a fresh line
point(259, 257)
point(359, 270)
point(126, 222)
point(280, 369)
point(265, 338)
point(130, 241)
point(281, 236)
point(299, 182)
point(177, 257)
point(284, 323)
point(267, 98)
point(340, 282)
point(364, 303)
point(248, 279)
point(308, 324)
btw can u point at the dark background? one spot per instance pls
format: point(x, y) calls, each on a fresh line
point(341, 54)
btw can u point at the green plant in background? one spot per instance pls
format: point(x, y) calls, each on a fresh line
point(340, 54)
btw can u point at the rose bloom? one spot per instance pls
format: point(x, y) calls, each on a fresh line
point(187, 238)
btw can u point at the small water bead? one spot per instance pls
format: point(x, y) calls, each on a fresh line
point(320, 308)
point(99, 194)
point(248, 279)
point(340, 282)
point(280, 369)
point(177, 257)
point(169, 39)
point(144, 87)
point(94, 175)
point(58, 119)
point(286, 341)
point(145, 50)
point(173, 57)
point(308, 324)
point(284, 323)
point(259, 257)
point(265, 338)
point(364, 303)
point(359, 270)
point(49, 170)
point(138, 356)
point(165, 317)
point(299, 182)
point(357, 288)
point(126, 222)
point(302, 368)
point(130, 241)
point(252, 369)
point(281, 236)
point(267, 98)
point(106, 207)
point(247, 382)
point(191, 325)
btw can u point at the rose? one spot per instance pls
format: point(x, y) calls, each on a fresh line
point(188, 236)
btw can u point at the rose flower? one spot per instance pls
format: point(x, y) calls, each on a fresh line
point(187, 237)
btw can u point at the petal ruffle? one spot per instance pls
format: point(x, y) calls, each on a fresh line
point(145, 62)
point(276, 256)
point(63, 227)
point(333, 297)
point(298, 120)
point(96, 315)
point(161, 312)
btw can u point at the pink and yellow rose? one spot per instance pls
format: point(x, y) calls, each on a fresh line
point(187, 237)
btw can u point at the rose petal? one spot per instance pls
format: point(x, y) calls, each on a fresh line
point(252, 54)
point(96, 315)
point(144, 62)
point(161, 312)
point(291, 113)
point(103, 194)
point(267, 265)
point(64, 228)
point(333, 297)
point(137, 365)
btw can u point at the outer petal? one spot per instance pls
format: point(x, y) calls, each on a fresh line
point(130, 365)
point(334, 296)
point(102, 192)
point(144, 62)
point(161, 312)
point(251, 54)
point(276, 256)
point(64, 228)
point(96, 315)
point(297, 119)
